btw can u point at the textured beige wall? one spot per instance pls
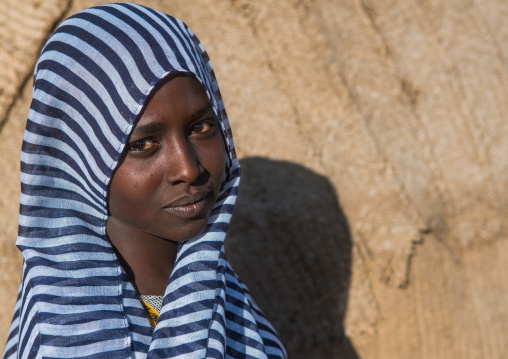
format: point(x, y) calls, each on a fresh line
point(371, 221)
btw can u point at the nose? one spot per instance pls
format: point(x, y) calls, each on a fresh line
point(183, 163)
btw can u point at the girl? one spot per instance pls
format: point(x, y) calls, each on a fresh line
point(129, 177)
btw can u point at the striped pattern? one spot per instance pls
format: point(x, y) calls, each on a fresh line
point(91, 80)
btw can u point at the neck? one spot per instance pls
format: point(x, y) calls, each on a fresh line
point(148, 260)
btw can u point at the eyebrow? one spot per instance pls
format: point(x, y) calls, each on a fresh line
point(203, 111)
point(148, 128)
point(154, 127)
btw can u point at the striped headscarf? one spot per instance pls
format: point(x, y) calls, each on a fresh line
point(91, 81)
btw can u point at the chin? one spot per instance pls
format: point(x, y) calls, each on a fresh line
point(186, 232)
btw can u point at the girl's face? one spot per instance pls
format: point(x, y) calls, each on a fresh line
point(172, 169)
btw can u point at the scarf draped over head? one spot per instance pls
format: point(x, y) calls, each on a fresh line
point(92, 79)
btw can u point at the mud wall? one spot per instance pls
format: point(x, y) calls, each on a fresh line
point(372, 215)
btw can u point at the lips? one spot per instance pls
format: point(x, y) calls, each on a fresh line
point(189, 206)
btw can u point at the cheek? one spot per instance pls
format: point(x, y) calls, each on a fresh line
point(219, 161)
point(128, 192)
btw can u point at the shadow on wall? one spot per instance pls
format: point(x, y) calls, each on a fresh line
point(289, 241)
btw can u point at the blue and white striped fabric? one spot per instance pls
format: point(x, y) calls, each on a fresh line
point(75, 301)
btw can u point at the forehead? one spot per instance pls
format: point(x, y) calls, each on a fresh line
point(177, 96)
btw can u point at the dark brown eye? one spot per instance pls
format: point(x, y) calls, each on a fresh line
point(201, 128)
point(141, 145)
point(205, 127)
